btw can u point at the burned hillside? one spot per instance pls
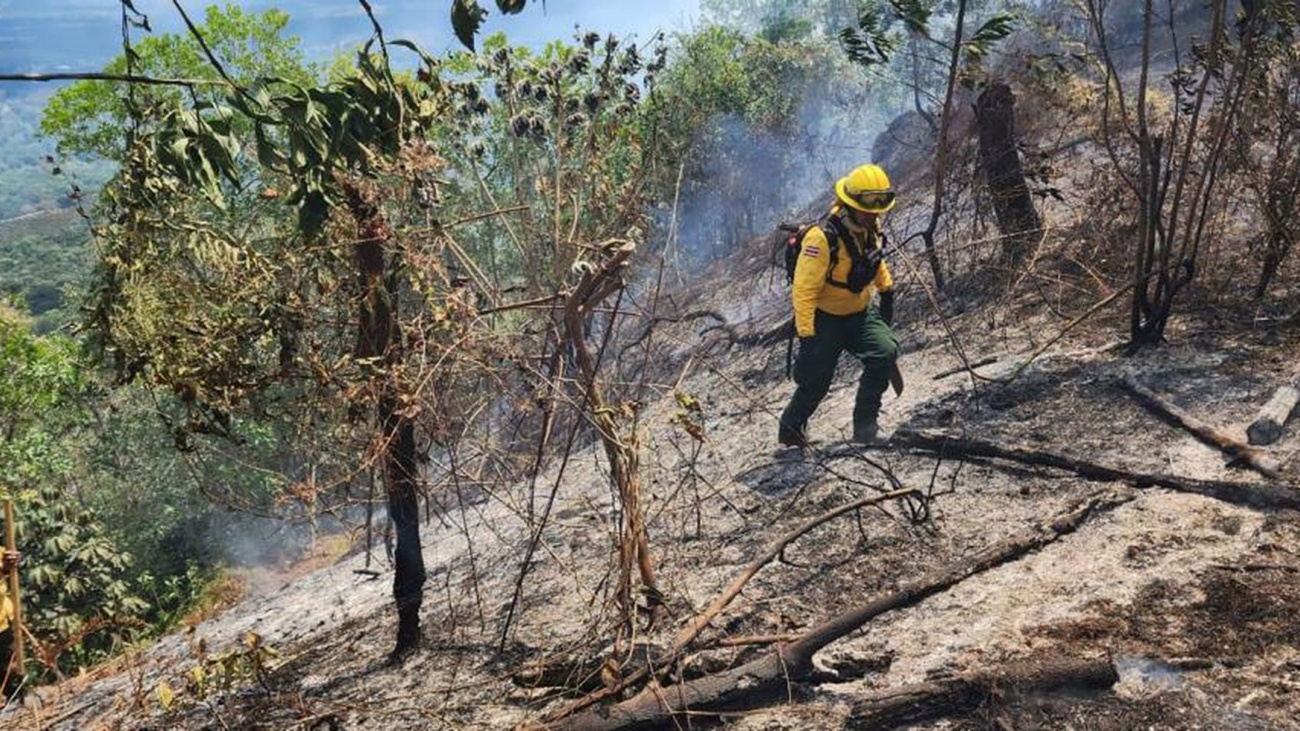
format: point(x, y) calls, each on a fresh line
point(546, 379)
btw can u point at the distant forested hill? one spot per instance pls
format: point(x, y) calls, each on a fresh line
point(41, 256)
point(27, 182)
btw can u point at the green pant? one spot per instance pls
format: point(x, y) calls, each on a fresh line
point(9, 681)
point(866, 337)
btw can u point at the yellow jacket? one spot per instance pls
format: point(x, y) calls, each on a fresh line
point(811, 291)
point(6, 606)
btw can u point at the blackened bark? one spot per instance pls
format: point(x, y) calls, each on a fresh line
point(1018, 220)
point(377, 337)
point(404, 509)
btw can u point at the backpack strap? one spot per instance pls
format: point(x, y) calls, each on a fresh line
point(833, 227)
point(866, 261)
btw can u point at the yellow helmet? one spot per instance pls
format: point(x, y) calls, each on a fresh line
point(866, 189)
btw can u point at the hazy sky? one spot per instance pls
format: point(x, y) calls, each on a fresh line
point(81, 35)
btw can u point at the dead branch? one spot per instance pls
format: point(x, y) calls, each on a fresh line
point(697, 624)
point(689, 316)
point(760, 680)
point(1240, 452)
point(918, 702)
point(122, 78)
point(963, 368)
point(578, 675)
point(746, 640)
point(620, 448)
point(1099, 306)
point(1241, 493)
point(772, 334)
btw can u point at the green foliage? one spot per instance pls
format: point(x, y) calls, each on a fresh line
point(753, 125)
point(116, 541)
point(560, 136)
point(77, 589)
point(89, 117)
point(989, 34)
point(209, 298)
point(77, 580)
point(914, 14)
point(870, 43)
point(42, 257)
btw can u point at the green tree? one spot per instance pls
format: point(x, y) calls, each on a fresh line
point(559, 144)
point(78, 598)
point(762, 17)
point(88, 117)
point(286, 311)
point(753, 124)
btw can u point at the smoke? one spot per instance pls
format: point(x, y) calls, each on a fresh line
point(743, 179)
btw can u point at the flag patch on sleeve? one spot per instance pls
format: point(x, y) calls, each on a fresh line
point(812, 251)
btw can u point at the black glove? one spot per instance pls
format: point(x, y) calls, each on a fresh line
point(887, 307)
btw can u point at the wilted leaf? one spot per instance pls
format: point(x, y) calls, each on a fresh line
point(466, 17)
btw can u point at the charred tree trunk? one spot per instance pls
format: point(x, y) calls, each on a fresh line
point(909, 704)
point(1018, 220)
point(378, 337)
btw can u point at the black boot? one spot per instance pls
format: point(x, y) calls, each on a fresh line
point(865, 430)
point(791, 436)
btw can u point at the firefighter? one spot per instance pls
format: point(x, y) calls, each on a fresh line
point(839, 270)
point(10, 677)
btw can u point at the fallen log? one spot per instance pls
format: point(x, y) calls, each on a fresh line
point(769, 676)
point(589, 674)
point(1241, 493)
point(1267, 427)
point(1240, 452)
point(908, 704)
point(698, 623)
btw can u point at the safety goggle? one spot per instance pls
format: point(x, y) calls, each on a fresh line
point(876, 200)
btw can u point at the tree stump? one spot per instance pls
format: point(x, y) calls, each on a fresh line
point(1018, 220)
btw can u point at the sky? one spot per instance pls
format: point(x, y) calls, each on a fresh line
point(82, 35)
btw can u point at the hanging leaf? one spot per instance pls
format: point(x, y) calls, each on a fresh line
point(466, 17)
point(869, 44)
point(914, 14)
point(994, 29)
point(510, 7)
